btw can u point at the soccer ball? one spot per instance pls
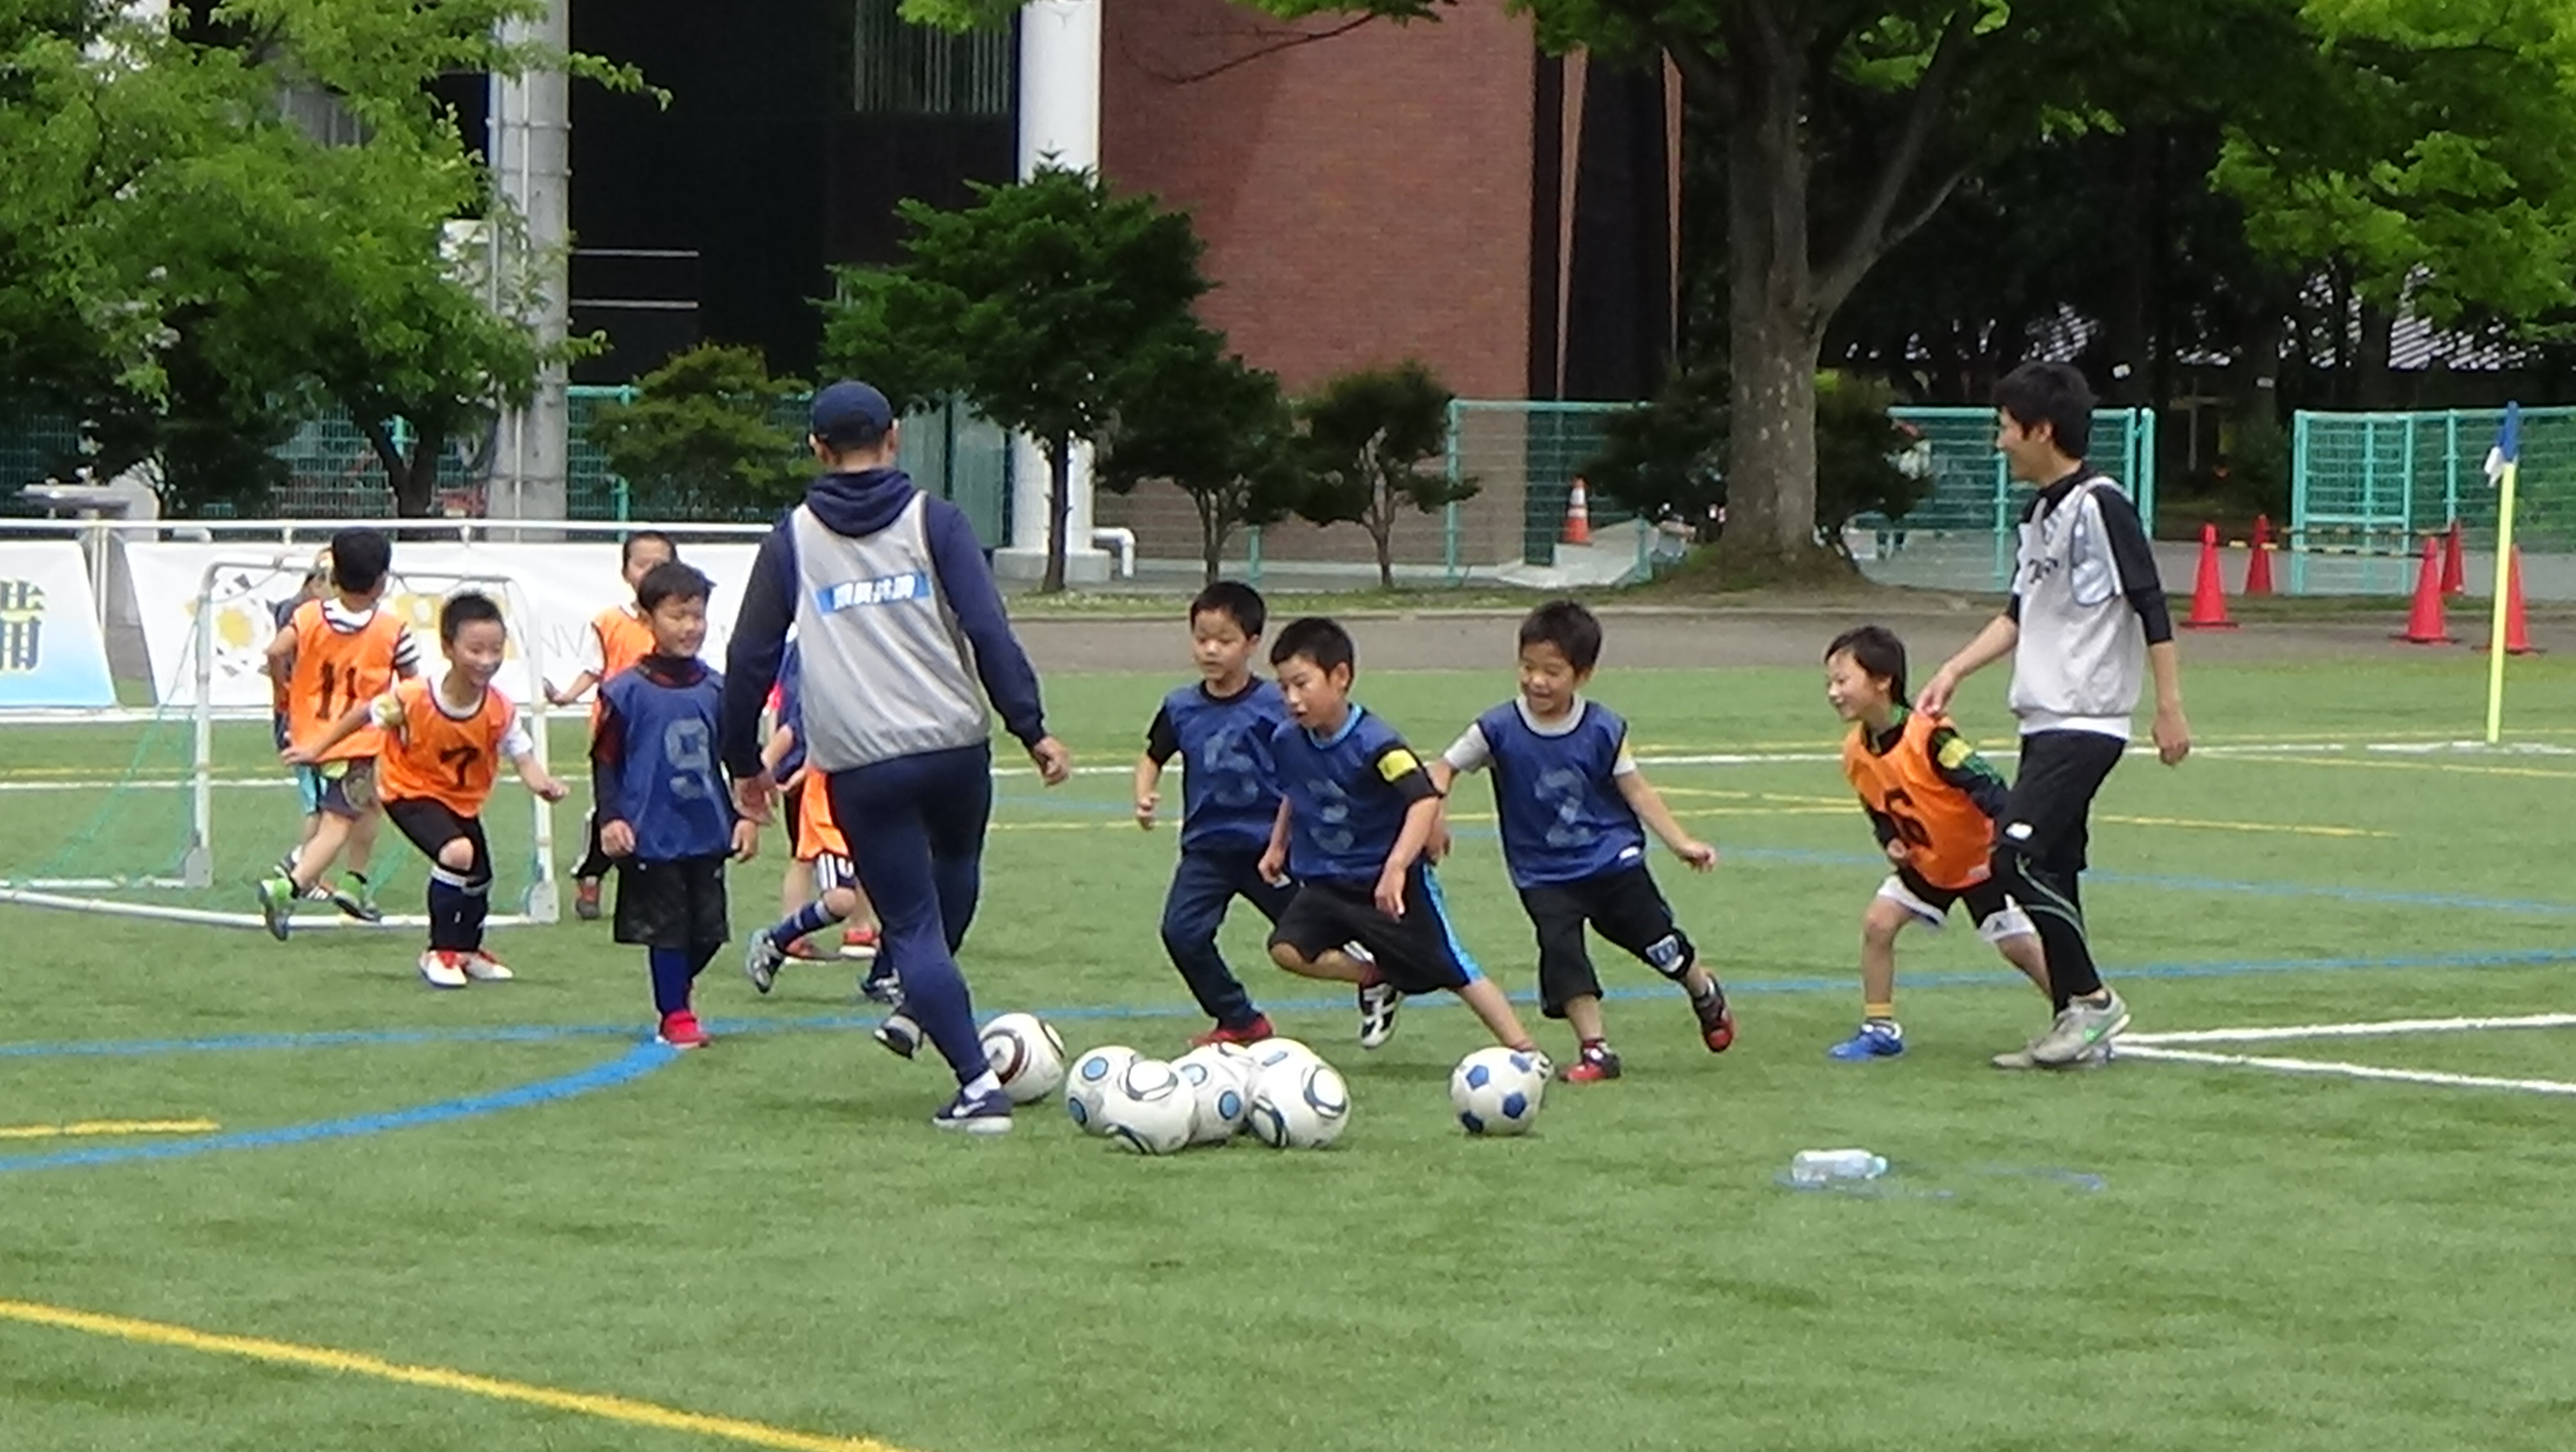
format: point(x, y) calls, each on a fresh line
point(1498, 1091)
point(1298, 1104)
point(1271, 1052)
point(1026, 1055)
point(1090, 1081)
point(1219, 1082)
point(1148, 1108)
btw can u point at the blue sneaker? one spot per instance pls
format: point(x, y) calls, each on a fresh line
point(983, 1114)
point(1876, 1039)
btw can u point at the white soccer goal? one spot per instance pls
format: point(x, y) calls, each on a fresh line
point(202, 808)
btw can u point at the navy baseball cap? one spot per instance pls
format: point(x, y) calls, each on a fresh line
point(851, 414)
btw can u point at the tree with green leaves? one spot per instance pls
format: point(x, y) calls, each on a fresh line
point(1666, 460)
point(2419, 159)
point(1367, 436)
point(703, 434)
point(1219, 430)
point(239, 212)
point(1049, 305)
point(1845, 126)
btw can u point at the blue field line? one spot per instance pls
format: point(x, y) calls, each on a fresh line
point(634, 1064)
point(1805, 857)
point(1740, 988)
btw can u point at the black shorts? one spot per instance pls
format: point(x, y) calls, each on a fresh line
point(676, 904)
point(793, 800)
point(1418, 953)
point(1625, 907)
point(430, 825)
point(2046, 815)
point(1989, 906)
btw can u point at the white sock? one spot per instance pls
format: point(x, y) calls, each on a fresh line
point(985, 1083)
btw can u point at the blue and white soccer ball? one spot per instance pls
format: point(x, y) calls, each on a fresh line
point(1148, 1108)
point(1026, 1055)
point(1298, 1103)
point(1219, 1078)
point(1089, 1081)
point(1271, 1052)
point(1498, 1090)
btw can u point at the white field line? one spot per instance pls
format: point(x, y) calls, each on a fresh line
point(1719, 758)
point(2130, 1050)
point(2379, 1029)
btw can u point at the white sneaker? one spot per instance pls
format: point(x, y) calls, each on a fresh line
point(1378, 1003)
point(441, 969)
point(482, 967)
point(2080, 1029)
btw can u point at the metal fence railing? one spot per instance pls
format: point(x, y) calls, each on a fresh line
point(333, 472)
point(1527, 455)
point(2367, 488)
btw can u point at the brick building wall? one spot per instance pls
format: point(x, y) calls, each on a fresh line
point(1364, 198)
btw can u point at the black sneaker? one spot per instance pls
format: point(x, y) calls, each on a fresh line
point(1716, 1020)
point(882, 985)
point(1378, 1003)
point(988, 1113)
point(902, 1038)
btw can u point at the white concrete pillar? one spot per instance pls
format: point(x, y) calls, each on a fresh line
point(1059, 126)
point(531, 159)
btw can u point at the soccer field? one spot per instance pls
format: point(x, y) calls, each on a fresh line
point(348, 1211)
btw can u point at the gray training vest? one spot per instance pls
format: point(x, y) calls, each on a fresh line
point(887, 671)
point(2082, 657)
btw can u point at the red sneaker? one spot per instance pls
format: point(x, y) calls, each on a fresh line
point(1251, 1033)
point(1599, 1062)
point(804, 951)
point(680, 1030)
point(859, 944)
point(1716, 1022)
point(585, 899)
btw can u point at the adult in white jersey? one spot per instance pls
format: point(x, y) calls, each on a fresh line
point(2086, 625)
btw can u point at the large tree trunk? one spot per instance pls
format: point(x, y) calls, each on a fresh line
point(1774, 327)
point(1059, 452)
point(1214, 525)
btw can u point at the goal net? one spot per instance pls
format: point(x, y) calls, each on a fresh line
point(177, 811)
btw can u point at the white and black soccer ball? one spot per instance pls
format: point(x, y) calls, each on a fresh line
point(1027, 1055)
point(1298, 1103)
point(1498, 1090)
point(1271, 1052)
point(1220, 1082)
point(1148, 1108)
point(1088, 1083)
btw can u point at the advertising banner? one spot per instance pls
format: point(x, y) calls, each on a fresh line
point(50, 650)
point(552, 593)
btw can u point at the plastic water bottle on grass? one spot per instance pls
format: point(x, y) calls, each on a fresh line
point(1822, 1166)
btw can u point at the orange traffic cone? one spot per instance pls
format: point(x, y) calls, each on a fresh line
point(2258, 570)
point(2424, 622)
point(1578, 517)
point(2517, 630)
point(2208, 593)
point(2455, 575)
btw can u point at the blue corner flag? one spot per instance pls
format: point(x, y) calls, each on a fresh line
point(2508, 444)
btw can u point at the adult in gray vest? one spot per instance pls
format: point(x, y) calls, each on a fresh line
point(2086, 625)
point(902, 639)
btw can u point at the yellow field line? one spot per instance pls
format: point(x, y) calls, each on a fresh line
point(437, 1378)
point(2295, 829)
point(86, 1127)
point(2463, 768)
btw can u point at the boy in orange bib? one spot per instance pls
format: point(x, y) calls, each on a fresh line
point(335, 655)
point(1932, 800)
point(443, 748)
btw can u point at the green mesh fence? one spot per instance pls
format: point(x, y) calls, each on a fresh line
point(1526, 456)
point(2367, 488)
point(333, 471)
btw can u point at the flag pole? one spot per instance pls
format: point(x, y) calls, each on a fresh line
point(2508, 471)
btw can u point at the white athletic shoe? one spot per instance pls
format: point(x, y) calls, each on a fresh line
point(2080, 1029)
point(482, 967)
point(440, 969)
